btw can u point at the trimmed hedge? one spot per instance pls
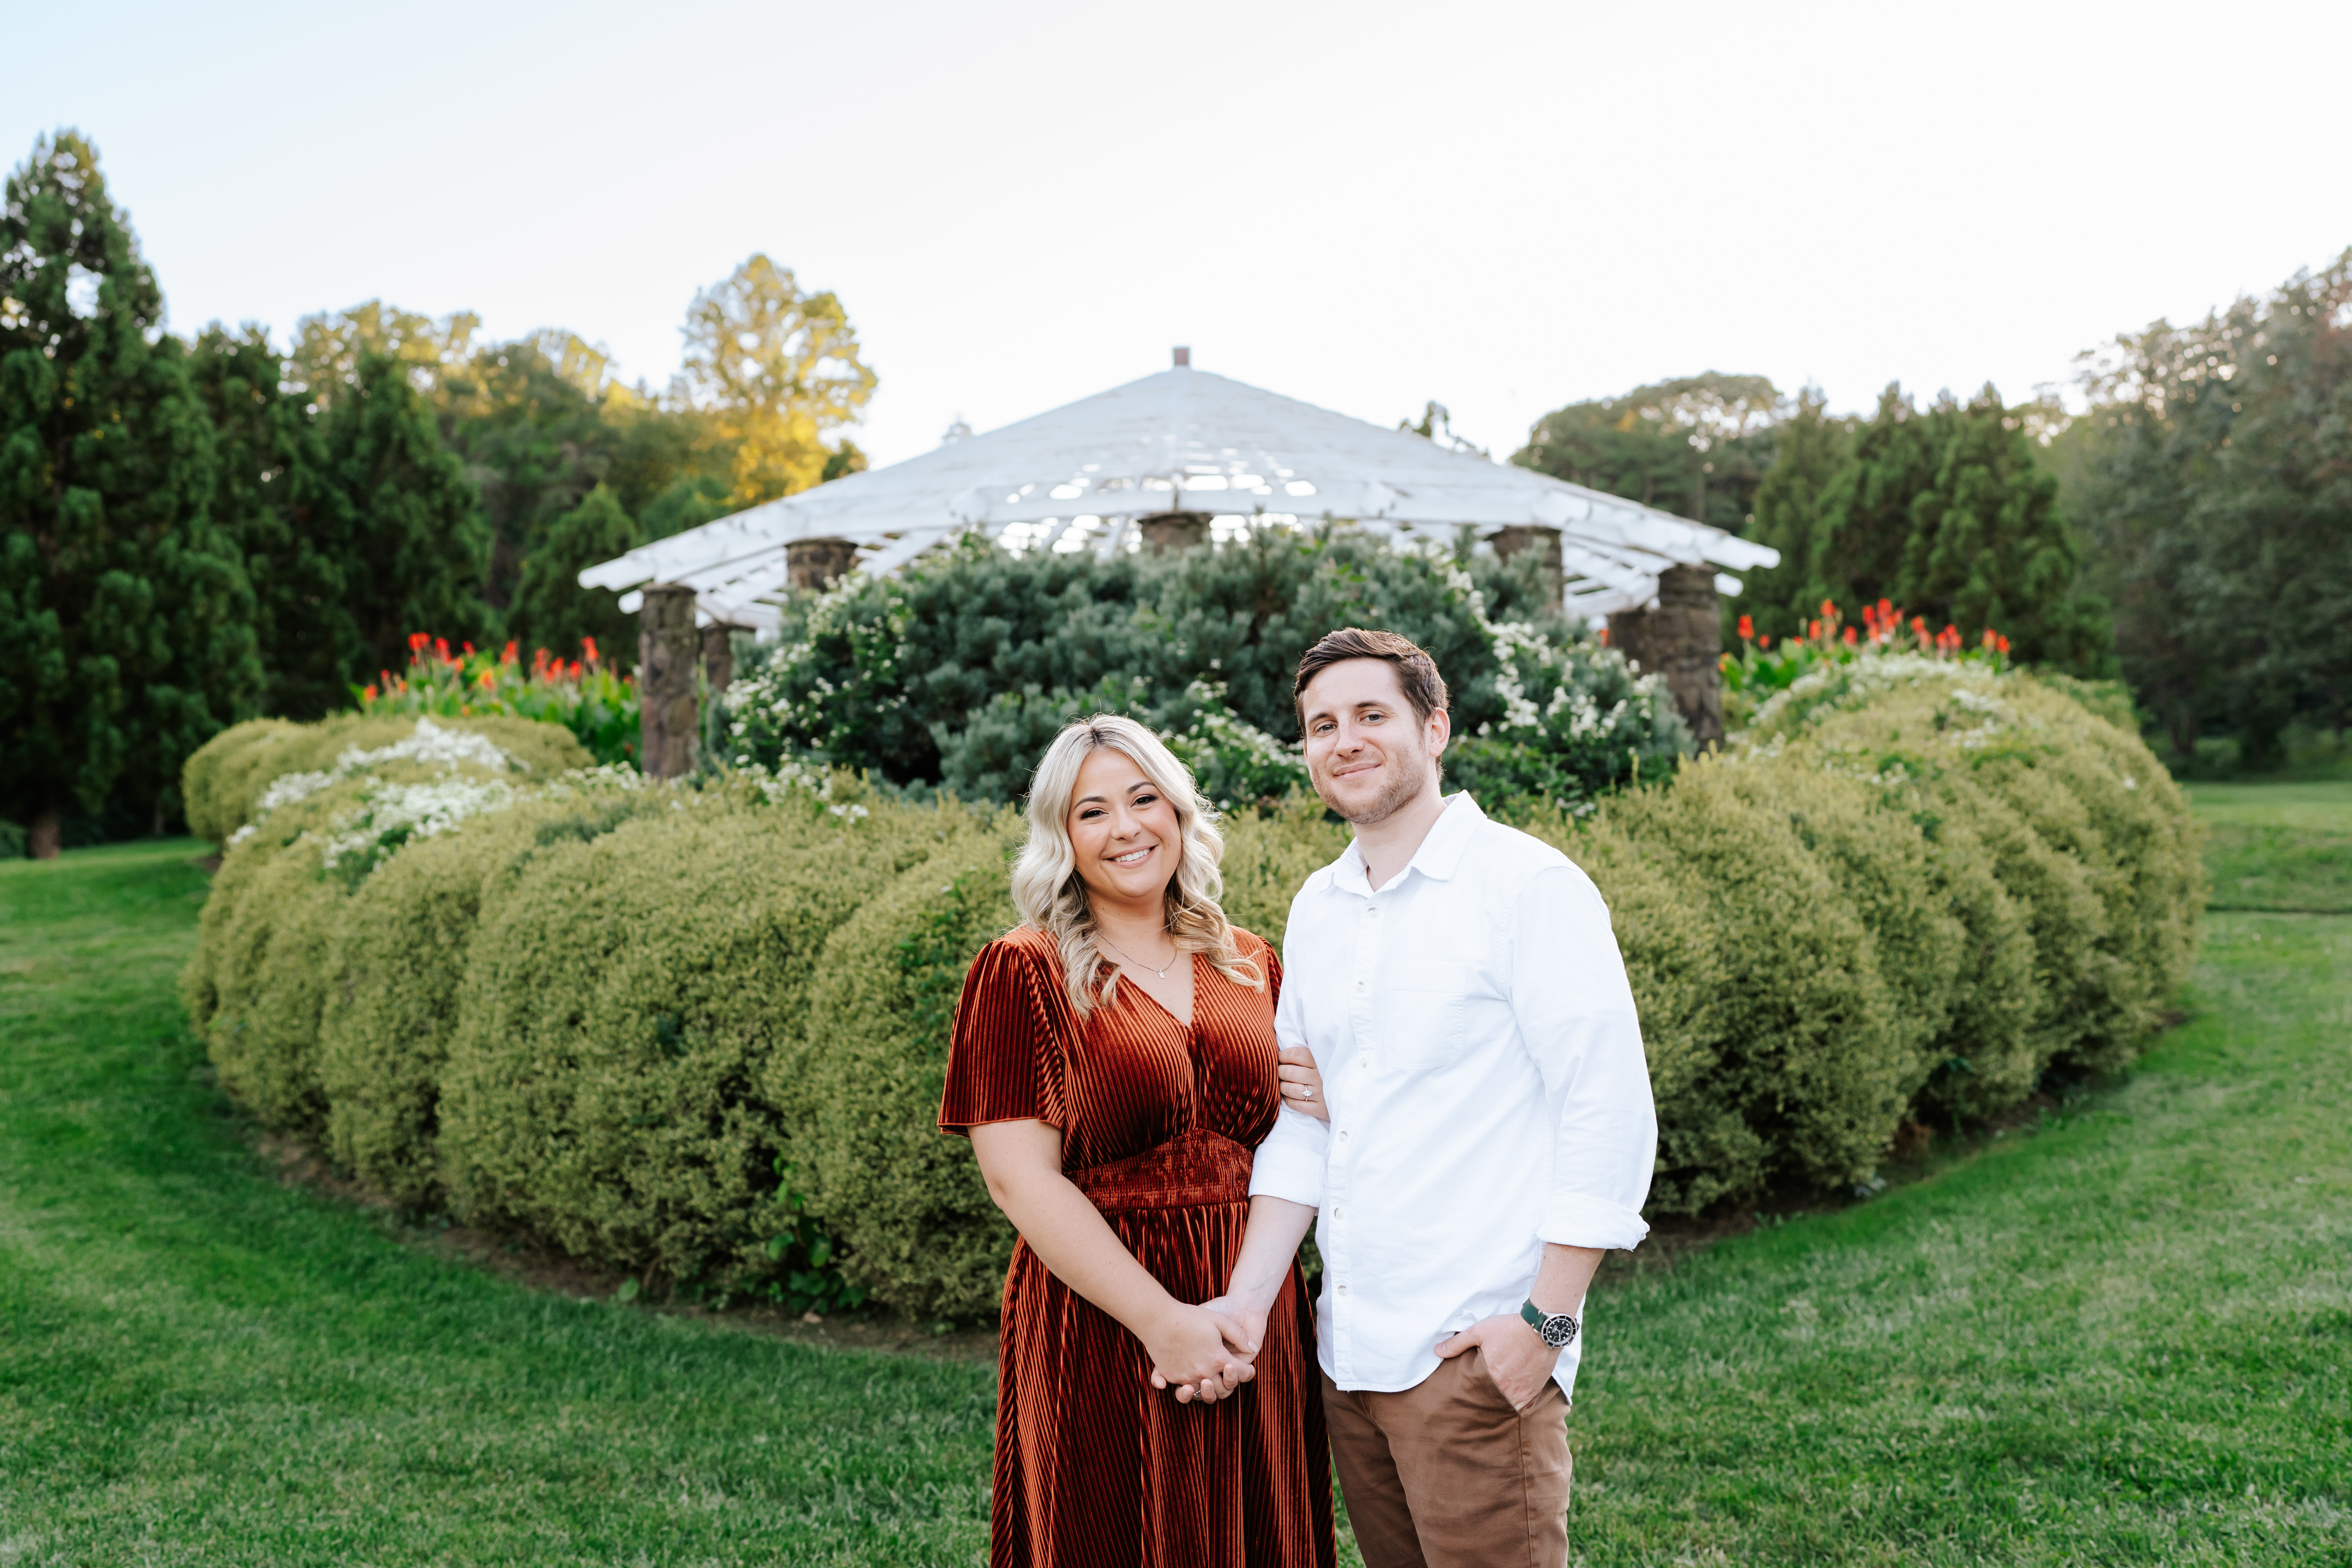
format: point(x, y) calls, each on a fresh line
point(222, 782)
point(699, 1033)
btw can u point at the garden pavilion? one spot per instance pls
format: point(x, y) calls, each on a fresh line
point(1175, 459)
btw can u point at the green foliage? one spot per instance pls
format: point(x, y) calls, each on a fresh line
point(1697, 446)
point(606, 1084)
point(2212, 477)
point(589, 695)
point(1809, 449)
point(1947, 512)
point(921, 1232)
point(550, 608)
point(126, 633)
point(959, 672)
point(227, 780)
point(699, 1033)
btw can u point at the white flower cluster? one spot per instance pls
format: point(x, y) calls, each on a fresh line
point(429, 744)
point(1873, 675)
point(392, 815)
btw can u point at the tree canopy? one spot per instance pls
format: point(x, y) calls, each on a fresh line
point(1697, 446)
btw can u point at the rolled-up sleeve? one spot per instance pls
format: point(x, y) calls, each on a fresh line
point(1575, 1011)
point(1290, 1162)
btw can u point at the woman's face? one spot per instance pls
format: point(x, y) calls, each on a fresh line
point(1123, 831)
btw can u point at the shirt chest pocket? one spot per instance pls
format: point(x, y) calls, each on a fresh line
point(1424, 1015)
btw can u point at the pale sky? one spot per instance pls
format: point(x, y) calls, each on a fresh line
point(1505, 207)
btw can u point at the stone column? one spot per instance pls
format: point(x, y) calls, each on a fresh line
point(667, 646)
point(1682, 639)
point(1173, 531)
point(818, 563)
point(719, 655)
point(1544, 542)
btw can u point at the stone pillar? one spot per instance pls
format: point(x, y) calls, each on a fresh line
point(1544, 542)
point(719, 655)
point(666, 650)
point(1682, 639)
point(818, 563)
point(1173, 531)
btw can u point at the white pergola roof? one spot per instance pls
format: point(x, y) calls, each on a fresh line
point(1183, 440)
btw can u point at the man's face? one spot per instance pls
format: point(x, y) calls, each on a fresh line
point(1367, 754)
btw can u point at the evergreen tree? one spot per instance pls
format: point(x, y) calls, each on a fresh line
point(419, 550)
point(1866, 515)
point(293, 527)
point(1811, 449)
point(125, 615)
point(551, 610)
point(1987, 547)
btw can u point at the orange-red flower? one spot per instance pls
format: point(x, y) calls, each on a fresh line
point(1746, 628)
point(590, 644)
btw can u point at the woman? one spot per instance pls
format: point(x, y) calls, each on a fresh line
point(1114, 1063)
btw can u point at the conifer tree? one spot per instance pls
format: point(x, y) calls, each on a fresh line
point(1866, 518)
point(1988, 548)
point(1810, 450)
point(292, 526)
point(551, 610)
point(419, 551)
point(125, 613)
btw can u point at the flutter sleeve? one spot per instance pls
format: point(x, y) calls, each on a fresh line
point(1004, 1059)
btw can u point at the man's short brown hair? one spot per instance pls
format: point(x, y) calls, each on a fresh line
point(1416, 672)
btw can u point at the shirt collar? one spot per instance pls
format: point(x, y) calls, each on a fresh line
point(1440, 852)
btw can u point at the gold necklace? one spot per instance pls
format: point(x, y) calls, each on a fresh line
point(1161, 973)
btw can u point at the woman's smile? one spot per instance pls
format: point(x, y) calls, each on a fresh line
point(1134, 857)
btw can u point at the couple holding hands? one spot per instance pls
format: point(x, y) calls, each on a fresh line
point(1442, 1072)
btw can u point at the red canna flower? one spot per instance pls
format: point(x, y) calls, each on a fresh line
point(416, 641)
point(1814, 630)
point(590, 644)
point(1849, 637)
point(441, 647)
point(489, 679)
point(575, 670)
point(1764, 641)
point(1746, 628)
point(1920, 624)
point(508, 655)
point(367, 693)
point(1829, 609)
point(470, 649)
point(1885, 611)
point(2002, 644)
point(1604, 637)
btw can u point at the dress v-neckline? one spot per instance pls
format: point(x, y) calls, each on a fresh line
point(1183, 1023)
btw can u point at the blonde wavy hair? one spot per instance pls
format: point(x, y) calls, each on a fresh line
point(1051, 895)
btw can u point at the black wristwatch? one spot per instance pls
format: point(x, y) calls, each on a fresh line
point(1557, 1330)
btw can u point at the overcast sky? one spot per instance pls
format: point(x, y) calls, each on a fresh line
point(1504, 207)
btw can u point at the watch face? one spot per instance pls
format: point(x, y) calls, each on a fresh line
point(1559, 1331)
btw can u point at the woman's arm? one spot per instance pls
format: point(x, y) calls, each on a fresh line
point(1021, 1163)
point(1276, 1226)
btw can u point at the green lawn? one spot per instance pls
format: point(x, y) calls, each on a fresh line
point(2122, 1337)
point(2278, 846)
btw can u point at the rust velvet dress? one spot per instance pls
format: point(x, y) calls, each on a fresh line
point(1094, 1466)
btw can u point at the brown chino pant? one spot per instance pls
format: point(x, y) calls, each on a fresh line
point(1447, 1475)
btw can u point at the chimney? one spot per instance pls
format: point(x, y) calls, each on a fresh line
point(1184, 359)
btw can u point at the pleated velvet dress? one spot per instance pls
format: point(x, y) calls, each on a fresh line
point(1094, 1467)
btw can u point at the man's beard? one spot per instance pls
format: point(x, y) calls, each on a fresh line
point(1403, 787)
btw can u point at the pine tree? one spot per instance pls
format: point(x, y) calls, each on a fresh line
point(551, 610)
point(419, 551)
point(1810, 450)
point(1866, 518)
point(293, 527)
point(1988, 548)
point(125, 613)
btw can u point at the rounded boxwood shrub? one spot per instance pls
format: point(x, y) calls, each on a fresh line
point(920, 1230)
point(605, 1086)
point(223, 782)
point(396, 969)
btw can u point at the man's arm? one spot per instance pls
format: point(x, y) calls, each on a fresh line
point(1575, 1011)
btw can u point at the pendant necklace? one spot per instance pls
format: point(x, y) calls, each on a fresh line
point(1161, 973)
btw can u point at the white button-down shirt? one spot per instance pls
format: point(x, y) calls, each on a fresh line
point(1487, 1092)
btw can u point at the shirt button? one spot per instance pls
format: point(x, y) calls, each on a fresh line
point(1359, 985)
point(1343, 1287)
point(1343, 1135)
point(1339, 1213)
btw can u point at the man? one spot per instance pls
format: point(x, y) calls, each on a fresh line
point(1489, 1130)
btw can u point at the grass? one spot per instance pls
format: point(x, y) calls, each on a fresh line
point(2278, 846)
point(200, 1364)
point(2121, 1336)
